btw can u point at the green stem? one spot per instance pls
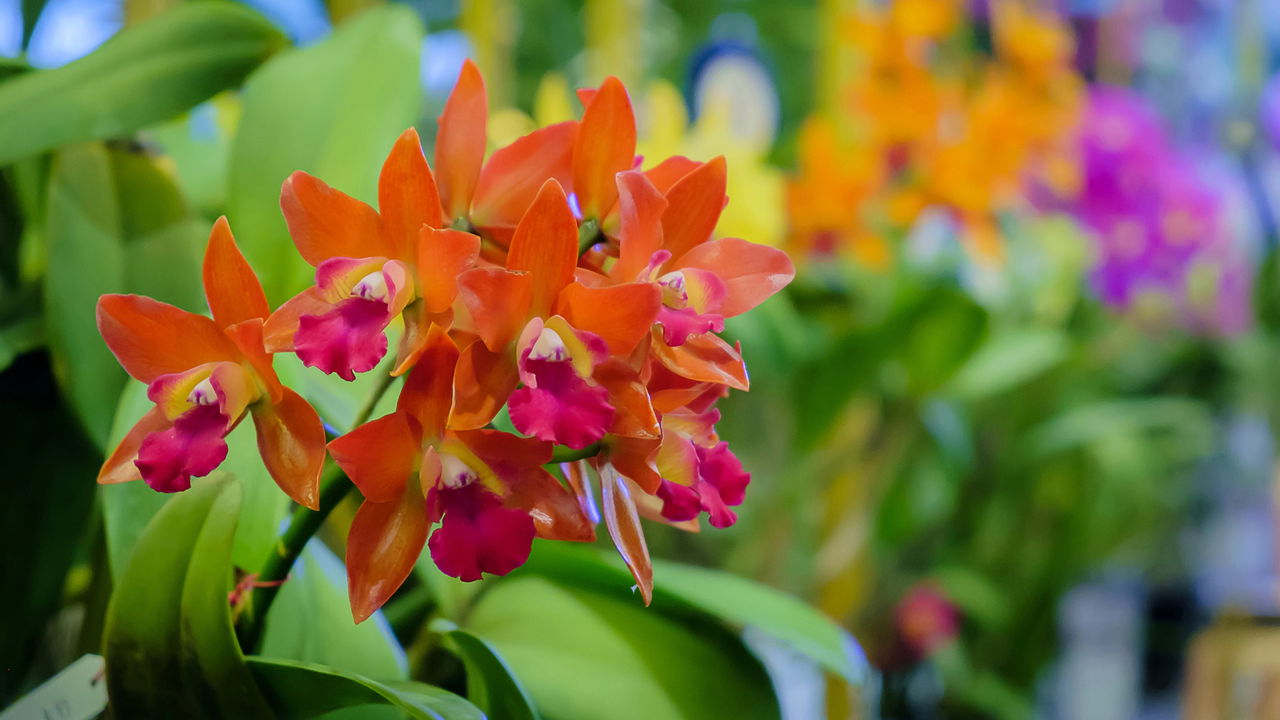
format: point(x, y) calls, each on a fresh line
point(588, 234)
point(564, 454)
point(334, 487)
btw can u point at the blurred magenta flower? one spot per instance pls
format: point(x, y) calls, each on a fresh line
point(1164, 247)
point(926, 619)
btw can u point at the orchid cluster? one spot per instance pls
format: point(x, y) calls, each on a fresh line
point(1164, 247)
point(558, 286)
point(922, 126)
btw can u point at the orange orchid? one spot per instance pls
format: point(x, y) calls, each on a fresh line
point(605, 146)
point(487, 488)
point(537, 326)
point(204, 375)
point(491, 195)
point(370, 266)
point(666, 241)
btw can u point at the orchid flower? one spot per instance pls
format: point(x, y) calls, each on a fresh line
point(204, 375)
point(540, 328)
point(487, 488)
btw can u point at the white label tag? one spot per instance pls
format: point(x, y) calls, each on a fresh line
point(79, 692)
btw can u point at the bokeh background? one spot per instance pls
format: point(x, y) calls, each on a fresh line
point(1013, 424)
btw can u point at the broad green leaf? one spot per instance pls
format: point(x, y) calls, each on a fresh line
point(20, 336)
point(49, 469)
point(310, 621)
point(115, 222)
point(744, 603)
point(1108, 419)
point(737, 601)
point(490, 684)
point(333, 109)
point(214, 664)
point(585, 654)
point(144, 74)
point(163, 242)
point(31, 10)
point(304, 690)
point(127, 507)
point(944, 331)
point(1009, 359)
point(168, 630)
point(86, 259)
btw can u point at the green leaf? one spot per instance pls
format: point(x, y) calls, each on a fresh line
point(1108, 419)
point(490, 684)
point(304, 690)
point(50, 465)
point(333, 109)
point(86, 259)
point(945, 330)
point(315, 596)
point(19, 336)
point(115, 222)
point(585, 654)
point(744, 603)
point(144, 74)
point(1009, 359)
point(215, 666)
point(31, 10)
point(169, 644)
point(163, 242)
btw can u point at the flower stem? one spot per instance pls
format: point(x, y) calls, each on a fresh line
point(588, 235)
point(304, 523)
point(562, 454)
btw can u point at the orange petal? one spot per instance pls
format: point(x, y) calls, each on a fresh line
point(407, 197)
point(633, 411)
point(621, 314)
point(634, 458)
point(505, 452)
point(151, 338)
point(641, 207)
point(513, 174)
point(705, 358)
point(556, 513)
point(585, 96)
point(481, 384)
point(291, 440)
point(232, 289)
point(428, 391)
point(379, 456)
point(119, 467)
point(280, 328)
point(624, 528)
point(326, 223)
point(417, 327)
point(460, 141)
point(751, 272)
point(670, 171)
point(575, 474)
point(443, 255)
point(248, 338)
point(382, 547)
point(693, 207)
point(546, 246)
point(498, 301)
point(605, 146)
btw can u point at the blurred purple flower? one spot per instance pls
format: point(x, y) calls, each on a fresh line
point(1161, 229)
